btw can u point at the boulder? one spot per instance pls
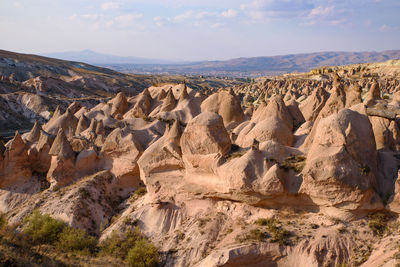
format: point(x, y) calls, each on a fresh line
point(341, 164)
point(121, 151)
point(226, 104)
point(119, 105)
point(204, 139)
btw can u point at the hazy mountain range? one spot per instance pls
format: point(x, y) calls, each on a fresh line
point(254, 66)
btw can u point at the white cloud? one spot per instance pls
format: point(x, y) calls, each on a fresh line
point(384, 28)
point(328, 15)
point(109, 5)
point(260, 10)
point(230, 13)
point(179, 18)
point(127, 20)
point(203, 14)
point(321, 11)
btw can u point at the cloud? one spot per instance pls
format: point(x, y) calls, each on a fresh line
point(109, 5)
point(384, 28)
point(127, 20)
point(274, 9)
point(328, 15)
point(179, 18)
point(321, 11)
point(230, 13)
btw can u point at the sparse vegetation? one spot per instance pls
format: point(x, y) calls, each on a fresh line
point(141, 191)
point(143, 254)
point(76, 240)
point(378, 222)
point(42, 229)
point(295, 163)
point(365, 170)
point(278, 233)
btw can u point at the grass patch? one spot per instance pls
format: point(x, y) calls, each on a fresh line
point(141, 191)
point(295, 163)
point(378, 222)
point(278, 233)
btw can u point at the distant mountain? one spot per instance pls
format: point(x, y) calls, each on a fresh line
point(261, 66)
point(91, 57)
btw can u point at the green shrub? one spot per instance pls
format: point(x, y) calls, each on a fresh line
point(141, 191)
point(378, 222)
point(295, 163)
point(143, 254)
point(76, 240)
point(265, 221)
point(278, 233)
point(118, 246)
point(42, 229)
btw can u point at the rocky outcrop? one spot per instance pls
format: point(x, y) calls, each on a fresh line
point(341, 164)
point(204, 141)
point(119, 105)
point(226, 104)
point(62, 166)
point(121, 151)
point(16, 166)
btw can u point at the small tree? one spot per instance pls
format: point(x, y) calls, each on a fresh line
point(143, 254)
point(42, 228)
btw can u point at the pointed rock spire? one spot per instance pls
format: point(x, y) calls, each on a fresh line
point(34, 135)
point(82, 124)
point(184, 94)
point(169, 102)
point(100, 128)
point(61, 146)
point(161, 95)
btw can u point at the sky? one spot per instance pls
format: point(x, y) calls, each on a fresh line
point(199, 30)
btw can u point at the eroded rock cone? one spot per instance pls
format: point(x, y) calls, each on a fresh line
point(100, 128)
point(16, 168)
point(142, 106)
point(311, 107)
point(275, 108)
point(353, 95)
point(374, 94)
point(61, 146)
point(62, 166)
point(169, 102)
point(295, 113)
point(184, 94)
point(74, 107)
point(82, 124)
point(164, 154)
point(43, 158)
point(34, 135)
point(119, 105)
point(204, 139)
point(57, 113)
point(67, 122)
point(342, 158)
point(121, 150)
point(90, 133)
point(161, 95)
point(226, 104)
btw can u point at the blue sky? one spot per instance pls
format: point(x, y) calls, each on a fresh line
point(199, 30)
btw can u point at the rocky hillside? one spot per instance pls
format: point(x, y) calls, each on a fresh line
point(288, 171)
point(32, 87)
